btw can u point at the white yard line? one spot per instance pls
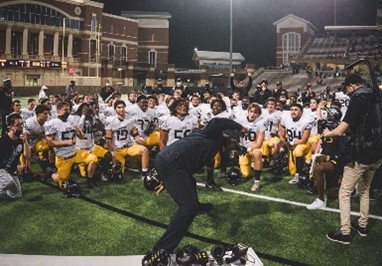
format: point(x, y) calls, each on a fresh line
point(286, 201)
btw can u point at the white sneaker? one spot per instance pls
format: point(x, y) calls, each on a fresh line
point(316, 204)
point(294, 180)
point(256, 186)
point(103, 177)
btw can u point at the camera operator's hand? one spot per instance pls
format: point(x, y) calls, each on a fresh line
point(326, 132)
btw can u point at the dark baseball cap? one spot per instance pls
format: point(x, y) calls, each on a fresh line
point(353, 79)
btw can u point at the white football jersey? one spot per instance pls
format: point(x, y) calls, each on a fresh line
point(86, 126)
point(195, 110)
point(34, 130)
point(272, 121)
point(26, 113)
point(141, 119)
point(254, 128)
point(161, 111)
point(61, 131)
point(121, 131)
point(295, 129)
point(344, 99)
point(178, 128)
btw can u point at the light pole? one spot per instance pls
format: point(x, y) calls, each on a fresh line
point(335, 12)
point(230, 37)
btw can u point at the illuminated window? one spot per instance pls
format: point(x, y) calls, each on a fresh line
point(37, 14)
point(291, 46)
point(93, 25)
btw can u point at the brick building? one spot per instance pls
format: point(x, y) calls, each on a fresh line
point(292, 34)
point(52, 42)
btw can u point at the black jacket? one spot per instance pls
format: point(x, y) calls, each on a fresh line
point(197, 149)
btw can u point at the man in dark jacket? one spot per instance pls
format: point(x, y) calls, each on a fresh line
point(263, 93)
point(176, 165)
point(241, 86)
point(6, 94)
point(106, 91)
point(361, 167)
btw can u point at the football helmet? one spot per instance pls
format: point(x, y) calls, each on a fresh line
point(233, 176)
point(70, 189)
point(151, 180)
point(115, 171)
point(190, 255)
point(279, 165)
point(27, 175)
point(157, 258)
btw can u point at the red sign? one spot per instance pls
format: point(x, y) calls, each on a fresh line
point(71, 71)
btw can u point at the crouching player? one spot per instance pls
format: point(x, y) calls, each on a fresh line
point(34, 131)
point(85, 120)
point(12, 144)
point(329, 160)
point(252, 142)
point(60, 134)
point(121, 135)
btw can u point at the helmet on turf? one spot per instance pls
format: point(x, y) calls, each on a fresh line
point(151, 180)
point(234, 176)
point(115, 171)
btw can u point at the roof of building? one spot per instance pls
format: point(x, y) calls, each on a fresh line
point(297, 18)
point(351, 28)
point(211, 55)
point(144, 14)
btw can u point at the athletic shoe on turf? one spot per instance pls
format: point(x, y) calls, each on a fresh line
point(317, 204)
point(213, 186)
point(362, 231)
point(92, 184)
point(294, 180)
point(104, 177)
point(338, 237)
point(256, 186)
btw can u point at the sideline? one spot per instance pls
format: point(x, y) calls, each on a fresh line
point(295, 203)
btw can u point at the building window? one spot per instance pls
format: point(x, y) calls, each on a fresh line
point(291, 46)
point(37, 14)
point(111, 51)
point(93, 51)
point(93, 25)
point(152, 57)
point(123, 54)
point(33, 80)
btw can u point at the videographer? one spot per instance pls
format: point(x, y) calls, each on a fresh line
point(361, 167)
point(6, 95)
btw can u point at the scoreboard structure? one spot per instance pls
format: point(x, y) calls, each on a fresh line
point(22, 63)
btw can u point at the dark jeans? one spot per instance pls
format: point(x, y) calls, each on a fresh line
point(182, 188)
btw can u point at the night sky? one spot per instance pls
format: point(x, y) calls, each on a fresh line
point(205, 23)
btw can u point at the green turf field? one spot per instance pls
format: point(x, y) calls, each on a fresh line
point(124, 219)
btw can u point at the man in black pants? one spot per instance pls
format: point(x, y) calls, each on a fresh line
point(175, 166)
